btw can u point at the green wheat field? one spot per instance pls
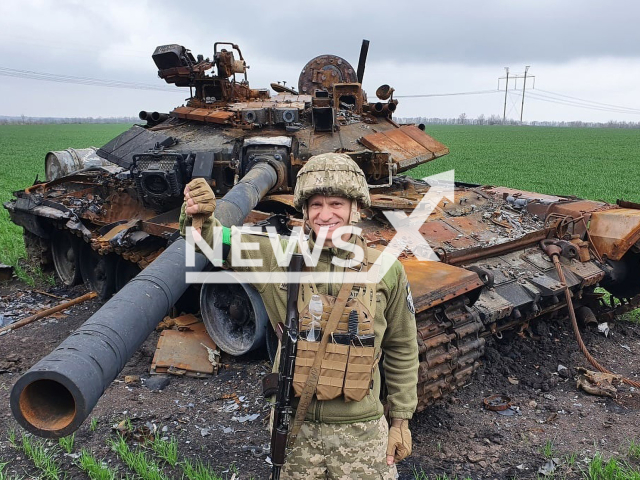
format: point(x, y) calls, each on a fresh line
point(598, 164)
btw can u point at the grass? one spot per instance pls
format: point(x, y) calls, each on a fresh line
point(597, 164)
point(22, 152)
point(93, 426)
point(156, 460)
point(421, 475)
point(95, 469)
point(548, 450)
point(166, 450)
point(198, 471)
point(613, 469)
point(607, 299)
point(67, 442)
point(43, 457)
point(634, 449)
point(137, 460)
point(601, 161)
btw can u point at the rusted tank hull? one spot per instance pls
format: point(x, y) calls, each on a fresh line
point(57, 394)
point(106, 223)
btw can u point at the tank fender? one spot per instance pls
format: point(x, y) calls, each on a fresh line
point(614, 232)
point(433, 283)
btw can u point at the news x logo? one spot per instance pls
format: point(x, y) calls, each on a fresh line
point(259, 257)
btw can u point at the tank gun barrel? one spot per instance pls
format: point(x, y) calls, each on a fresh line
point(57, 394)
point(364, 50)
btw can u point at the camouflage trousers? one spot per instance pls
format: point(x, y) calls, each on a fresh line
point(340, 451)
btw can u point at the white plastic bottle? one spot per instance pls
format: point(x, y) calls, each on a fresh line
point(315, 310)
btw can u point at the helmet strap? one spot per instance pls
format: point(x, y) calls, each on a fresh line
point(355, 214)
point(305, 219)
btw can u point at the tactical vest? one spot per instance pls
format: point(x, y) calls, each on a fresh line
point(349, 361)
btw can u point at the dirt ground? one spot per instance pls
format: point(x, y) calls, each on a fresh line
point(222, 420)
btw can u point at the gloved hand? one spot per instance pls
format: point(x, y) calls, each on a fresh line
point(200, 200)
point(399, 445)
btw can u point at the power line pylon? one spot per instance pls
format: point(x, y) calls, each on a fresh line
point(525, 77)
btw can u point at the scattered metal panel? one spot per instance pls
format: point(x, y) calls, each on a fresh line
point(403, 147)
point(117, 230)
point(613, 232)
point(184, 352)
point(434, 282)
point(121, 149)
point(163, 225)
point(430, 143)
point(204, 115)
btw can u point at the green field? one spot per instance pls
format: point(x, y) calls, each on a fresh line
point(599, 164)
point(22, 152)
point(592, 163)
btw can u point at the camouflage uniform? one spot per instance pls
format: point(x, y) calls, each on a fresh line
point(344, 439)
point(340, 451)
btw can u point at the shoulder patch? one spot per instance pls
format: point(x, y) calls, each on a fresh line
point(410, 306)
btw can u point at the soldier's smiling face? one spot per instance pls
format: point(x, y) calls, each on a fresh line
point(330, 213)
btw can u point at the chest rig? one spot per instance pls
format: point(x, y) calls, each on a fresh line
point(349, 359)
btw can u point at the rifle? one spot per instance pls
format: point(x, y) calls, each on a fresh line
point(283, 411)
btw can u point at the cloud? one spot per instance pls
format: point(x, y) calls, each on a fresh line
point(579, 47)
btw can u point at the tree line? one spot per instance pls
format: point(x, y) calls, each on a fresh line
point(462, 119)
point(24, 120)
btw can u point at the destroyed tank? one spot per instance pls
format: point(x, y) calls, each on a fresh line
point(109, 217)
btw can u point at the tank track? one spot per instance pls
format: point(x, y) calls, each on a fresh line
point(449, 346)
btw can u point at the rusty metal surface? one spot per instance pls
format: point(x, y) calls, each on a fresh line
point(407, 145)
point(492, 277)
point(183, 352)
point(163, 225)
point(449, 345)
point(204, 115)
point(323, 72)
point(614, 231)
point(433, 283)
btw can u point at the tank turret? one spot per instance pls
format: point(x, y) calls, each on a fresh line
point(106, 218)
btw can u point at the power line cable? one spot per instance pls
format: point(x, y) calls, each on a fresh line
point(478, 92)
point(549, 99)
point(546, 98)
point(588, 101)
point(50, 77)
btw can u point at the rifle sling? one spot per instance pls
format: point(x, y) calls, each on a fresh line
point(314, 374)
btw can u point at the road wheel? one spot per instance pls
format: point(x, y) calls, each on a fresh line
point(65, 251)
point(98, 271)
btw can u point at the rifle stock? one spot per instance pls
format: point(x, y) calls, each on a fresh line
point(283, 411)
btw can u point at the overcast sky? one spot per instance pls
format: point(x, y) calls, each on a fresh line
point(581, 52)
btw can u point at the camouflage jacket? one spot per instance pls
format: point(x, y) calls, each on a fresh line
point(394, 328)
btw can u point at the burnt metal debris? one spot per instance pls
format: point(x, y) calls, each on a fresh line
point(105, 215)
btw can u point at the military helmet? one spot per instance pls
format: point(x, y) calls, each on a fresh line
point(334, 175)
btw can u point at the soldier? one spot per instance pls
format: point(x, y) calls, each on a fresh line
point(344, 433)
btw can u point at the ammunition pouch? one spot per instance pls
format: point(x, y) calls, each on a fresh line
point(349, 360)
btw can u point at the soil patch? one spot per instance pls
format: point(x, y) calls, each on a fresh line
point(223, 420)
